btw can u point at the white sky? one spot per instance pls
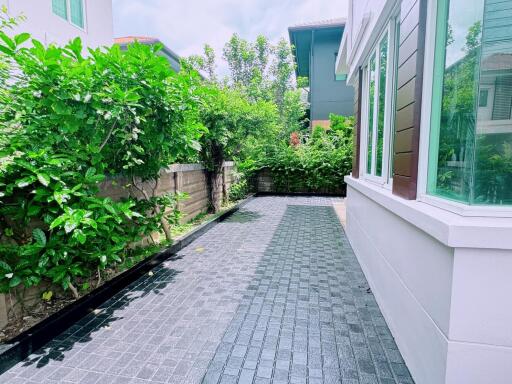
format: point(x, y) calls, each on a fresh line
point(186, 25)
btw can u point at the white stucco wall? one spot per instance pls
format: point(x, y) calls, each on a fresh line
point(49, 28)
point(446, 300)
point(366, 21)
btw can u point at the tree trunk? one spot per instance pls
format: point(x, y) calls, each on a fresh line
point(214, 178)
point(215, 188)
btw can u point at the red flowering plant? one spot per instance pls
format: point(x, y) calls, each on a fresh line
point(294, 139)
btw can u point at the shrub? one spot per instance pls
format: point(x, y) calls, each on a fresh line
point(238, 189)
point(318, 165)
point(67, 121)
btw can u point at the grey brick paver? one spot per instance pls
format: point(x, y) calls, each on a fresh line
point(274, 294)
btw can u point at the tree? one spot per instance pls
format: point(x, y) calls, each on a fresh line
point(263, 52)
point(209, 62)
point(231, 120)
point(293, 112)
point(202, 63)
point(242, 61)
point(282, 71)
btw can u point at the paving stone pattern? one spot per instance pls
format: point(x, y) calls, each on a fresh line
point(274, 294)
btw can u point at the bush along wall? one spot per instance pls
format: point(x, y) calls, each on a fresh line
point(313, 163)
point(68, 121)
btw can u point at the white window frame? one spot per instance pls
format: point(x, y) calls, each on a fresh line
point(68, 19)
point(385, 180)
point(425, 129)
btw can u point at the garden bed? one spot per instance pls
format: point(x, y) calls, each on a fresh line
point(57, 317)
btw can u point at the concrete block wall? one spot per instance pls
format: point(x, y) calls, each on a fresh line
point(188, 178)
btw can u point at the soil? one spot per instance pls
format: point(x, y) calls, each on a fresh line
point(31, 316)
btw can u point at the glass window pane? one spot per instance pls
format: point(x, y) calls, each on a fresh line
point(371, 101)
point(493, 165)
point(484, 95)
point(59, 8)
point(457, 65)
point(383, 65)
point(471, 136)
point(77, 12)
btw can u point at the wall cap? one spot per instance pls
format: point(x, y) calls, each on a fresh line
point(451, 229)
point(192, 167)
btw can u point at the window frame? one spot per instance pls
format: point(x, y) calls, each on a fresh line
point(68, 15)
point(385, 179)
point(82, 2)
point(63, 17)
point(425, 149)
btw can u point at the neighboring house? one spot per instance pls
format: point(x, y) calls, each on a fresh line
point(58, 21)
point(315, 49)
point(429, 205)
point(171, 56)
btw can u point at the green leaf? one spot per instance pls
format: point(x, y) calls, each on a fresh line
point(25, 182)
point(58, 221)
point(69, 226)
point(47, 296)
point(91, 222)
point(43, 179)
point(39, 236)
point(5, 266)
point(15, 281)
point(7, 40)
point(21, 38)
point(60, 197)
point(43, 261)
point(33, 210)
point(7, 51)
point(90, 172)
point(110, 208)
point(81, 237)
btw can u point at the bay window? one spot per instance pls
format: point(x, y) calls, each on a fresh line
point(470, 151)
point(377, 73)
point(379, 96)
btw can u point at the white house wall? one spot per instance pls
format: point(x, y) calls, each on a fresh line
point(410, 275)
point(50, 28)
point(362, 32)
point(446, 302)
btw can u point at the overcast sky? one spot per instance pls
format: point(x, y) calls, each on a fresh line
point(186, 25)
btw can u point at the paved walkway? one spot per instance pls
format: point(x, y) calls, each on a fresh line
point(274, 294)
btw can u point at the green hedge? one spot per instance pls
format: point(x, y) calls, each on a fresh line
point(66, 121)
point(317, 163)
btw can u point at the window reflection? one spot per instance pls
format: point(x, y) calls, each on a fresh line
point(493, 168)
point(474, 137)
point(383, 66)
point(371, 98)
